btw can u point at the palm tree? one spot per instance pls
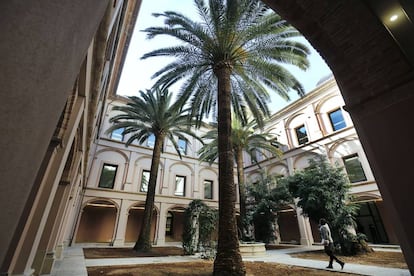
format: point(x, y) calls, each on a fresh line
point(152, 114)
point(236, 50)
point(245, 138)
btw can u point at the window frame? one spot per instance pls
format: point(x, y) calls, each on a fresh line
point(142, 181)
point(169, 224)
point(299, 139)
point(113, 178)
point(340, 122)
point(211, 182)
point(150, 141)
point(176, 192)
point(115, 133)
point(353, 180)
point(183, 150)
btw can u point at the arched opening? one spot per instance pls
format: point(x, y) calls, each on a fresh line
point(136, 213)
point(97, 222)
point(288, 226)
point(174, 224)
point(373, 221)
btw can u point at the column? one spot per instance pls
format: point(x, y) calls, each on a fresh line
point(305, 231)
point(161, 221)
point(120, 228)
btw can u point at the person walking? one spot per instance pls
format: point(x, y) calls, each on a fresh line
point(327, 241)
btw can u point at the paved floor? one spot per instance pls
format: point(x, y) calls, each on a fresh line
point(74, 263)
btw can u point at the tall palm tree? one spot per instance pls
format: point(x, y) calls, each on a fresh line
point(246, 139)
point(236, 50)
point(153, 113)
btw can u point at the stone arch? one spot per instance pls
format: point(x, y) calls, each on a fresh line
point(174, 223)
point(110, 156)
point(144, 163)
point(279, 169)
point(181, 168)
point(97, 221)
point(147, 157)
point(301, 161)
point(292, 123)
point(209, 174)
point(123, 154)
point(183, 164)
point(134, 222)
point(326, 105)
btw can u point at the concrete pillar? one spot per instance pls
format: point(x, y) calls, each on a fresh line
point(44, 257)
point(161, 222)
point(122, 221)
point(305, 231)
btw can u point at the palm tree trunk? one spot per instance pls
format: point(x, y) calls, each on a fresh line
point(228, 259)
point(144, 239)
point(242, 193)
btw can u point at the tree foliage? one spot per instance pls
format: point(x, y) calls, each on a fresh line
point(246, 138)
point(322, 191)
point(267, 197)
point(228, 61)
point(200, 223)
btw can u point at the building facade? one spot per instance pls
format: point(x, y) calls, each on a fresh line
point(315, 125)
point(114, 196)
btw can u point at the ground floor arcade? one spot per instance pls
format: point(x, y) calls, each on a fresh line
point(117, 221)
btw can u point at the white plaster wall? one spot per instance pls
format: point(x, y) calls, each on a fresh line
point(109, 157)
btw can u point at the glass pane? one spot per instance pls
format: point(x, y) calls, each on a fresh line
point(179, 185)
point(151, 141)
point(169, 224)
point(182, 146)
point(107, 176)
point(144, 181)
point(117, 134)
point(301, 135)
point(208, 189)
point(337, 119)
point(354, 169)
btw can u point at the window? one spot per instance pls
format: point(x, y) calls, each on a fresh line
point(108, 174)
point(151, 141)
point(169, 225)
point(179, 185)
point(301, 135)
point(257, 156)
point(144, 181)
point(337, 119)
point(117, 134)
point(182, 146)
point(354, 168)
point(208, 189)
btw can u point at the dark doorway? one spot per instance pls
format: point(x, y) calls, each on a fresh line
point(369, 222)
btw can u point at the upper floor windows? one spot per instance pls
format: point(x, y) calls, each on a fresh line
point(182, 146)
point(179, 185)
point(337, 119)
point(144, 181)
point(208, 189)
point(151, 141)
point(117, 134)
point(108, 174)
point(354, 168)
point(301, 134)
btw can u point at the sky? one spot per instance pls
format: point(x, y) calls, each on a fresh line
point(136, 73)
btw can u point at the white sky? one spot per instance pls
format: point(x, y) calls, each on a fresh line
point(136, 74)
